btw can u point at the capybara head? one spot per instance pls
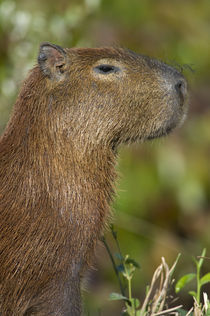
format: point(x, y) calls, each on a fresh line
point(110, 96)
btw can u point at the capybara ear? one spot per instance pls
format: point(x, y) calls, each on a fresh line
point(52, 61)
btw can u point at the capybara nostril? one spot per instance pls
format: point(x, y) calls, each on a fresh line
point(181, 88)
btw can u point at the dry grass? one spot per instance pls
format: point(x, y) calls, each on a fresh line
point(157, 295)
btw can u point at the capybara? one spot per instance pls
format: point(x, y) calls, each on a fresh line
point(57, 165)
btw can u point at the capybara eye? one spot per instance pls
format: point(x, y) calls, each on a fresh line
point(106, 69)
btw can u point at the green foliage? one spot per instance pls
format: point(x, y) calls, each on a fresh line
point(155, 300)
point(127, 268)
point(199, 280)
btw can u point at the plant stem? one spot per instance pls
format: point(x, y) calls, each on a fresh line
point(114, 265)
point(129, 289)
point(199, 265)
point(198, 285)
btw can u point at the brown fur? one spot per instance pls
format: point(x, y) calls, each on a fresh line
point(57, 159)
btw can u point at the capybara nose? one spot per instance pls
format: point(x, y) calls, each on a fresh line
point(173, 80)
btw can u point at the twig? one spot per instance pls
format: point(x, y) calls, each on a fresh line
point(190, 311)
point(159, 302)
point(154, 279)
point(167, 311)
point(201, 257)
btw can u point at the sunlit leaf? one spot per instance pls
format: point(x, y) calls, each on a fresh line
point(183, 281)
point(193, 293)
point(205, 279)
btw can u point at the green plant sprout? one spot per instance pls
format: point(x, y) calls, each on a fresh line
point(200, 281)
point(127, 268)
point(124, 271)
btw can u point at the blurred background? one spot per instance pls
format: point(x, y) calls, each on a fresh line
point(163, 202)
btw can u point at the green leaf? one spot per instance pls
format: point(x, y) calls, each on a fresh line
point(205, 279)
point(133, 262)
point(193, 293)
point(183, 281)
point(117, 297)
point(135, 303)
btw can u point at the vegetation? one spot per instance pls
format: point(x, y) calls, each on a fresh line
point(157, 294)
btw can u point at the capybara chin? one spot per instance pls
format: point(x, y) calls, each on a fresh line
point(57, 165)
